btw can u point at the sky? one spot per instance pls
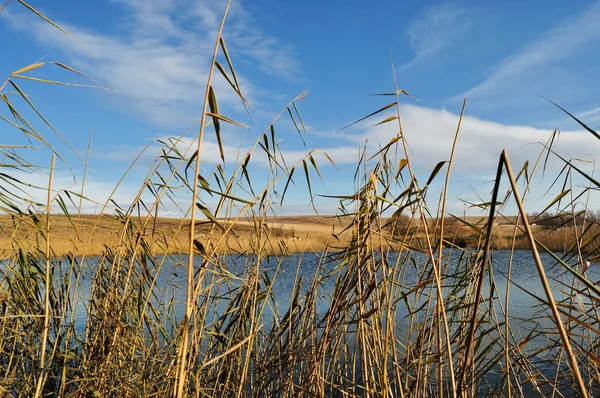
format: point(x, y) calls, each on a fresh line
point(152, 57)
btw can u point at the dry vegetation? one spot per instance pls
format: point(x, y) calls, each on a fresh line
point(91, 235)
point(381, 310)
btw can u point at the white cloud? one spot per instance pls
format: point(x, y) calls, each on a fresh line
point(234, 154)
point(531, 66)
point(98, 191)
point(157, 59)
point(430, 133)
point(435, 30)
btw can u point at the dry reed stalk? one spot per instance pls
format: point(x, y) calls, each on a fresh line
point(182, 353)
point(437, 270)
point(42, 376)
point(507, 330)
point(540, 268)
point(443, 199)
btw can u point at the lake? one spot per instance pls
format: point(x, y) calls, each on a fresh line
point(281, 277)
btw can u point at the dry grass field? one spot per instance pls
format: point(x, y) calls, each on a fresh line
point(90, 235)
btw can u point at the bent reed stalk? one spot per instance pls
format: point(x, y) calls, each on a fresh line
point(399, 300)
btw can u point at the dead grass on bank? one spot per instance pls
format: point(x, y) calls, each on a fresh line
point(565, 239)
point(91, 235)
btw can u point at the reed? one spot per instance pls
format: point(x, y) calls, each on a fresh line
point(410, 305)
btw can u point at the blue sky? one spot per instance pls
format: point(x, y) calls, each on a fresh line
point(154, 56)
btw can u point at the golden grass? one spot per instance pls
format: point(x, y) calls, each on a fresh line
point(85, 234)
point(91, 235)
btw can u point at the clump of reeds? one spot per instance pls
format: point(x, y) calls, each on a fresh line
point(396, 306)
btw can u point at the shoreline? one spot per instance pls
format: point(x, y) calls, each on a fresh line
point(91, 235)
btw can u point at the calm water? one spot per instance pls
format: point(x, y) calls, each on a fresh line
point(170, 280)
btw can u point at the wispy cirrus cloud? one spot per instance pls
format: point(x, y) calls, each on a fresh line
point(591, 112)
point(536, 68)
point(158, 57)
point(438, 27)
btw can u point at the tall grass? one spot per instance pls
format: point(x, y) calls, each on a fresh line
point(389, 308)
